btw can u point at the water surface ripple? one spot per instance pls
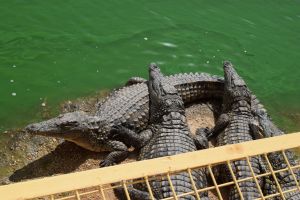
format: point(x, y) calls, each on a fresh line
point(55, 50)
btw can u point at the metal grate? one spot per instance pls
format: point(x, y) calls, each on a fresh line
point(100, 183)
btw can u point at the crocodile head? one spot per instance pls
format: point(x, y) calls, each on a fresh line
point(74, 126)
point(164, 98)
point(236, 92)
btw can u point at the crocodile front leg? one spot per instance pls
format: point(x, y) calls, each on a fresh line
point(130, 137)
point(221, 124)
point(200, 139)
point(118, 154)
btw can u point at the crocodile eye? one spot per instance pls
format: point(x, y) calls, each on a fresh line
point(153, 66)
point(69, 124)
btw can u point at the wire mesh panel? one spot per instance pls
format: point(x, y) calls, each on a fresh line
point(260, 169)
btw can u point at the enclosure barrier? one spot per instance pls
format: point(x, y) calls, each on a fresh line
point(99, 183)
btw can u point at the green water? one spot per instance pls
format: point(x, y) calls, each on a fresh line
point(55, 50)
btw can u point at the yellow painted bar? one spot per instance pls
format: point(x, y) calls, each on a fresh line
point(95, 177)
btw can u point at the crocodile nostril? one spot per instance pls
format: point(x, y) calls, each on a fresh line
point(30, 128)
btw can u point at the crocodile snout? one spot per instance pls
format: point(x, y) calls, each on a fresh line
point(30, 128)
point(37, 128)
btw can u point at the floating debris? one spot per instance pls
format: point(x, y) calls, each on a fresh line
point(145, 38)
point(218, 49)
point(248, 21)
point(168, 44)
point(97, 70)
point(189, 55)
point(43, 104)
point(14, 66)
point(58, 82)
point(207, 62)
point(13, 94)
point(214, 56)
point(12, 81)
point(289, 18)
point(245, 51)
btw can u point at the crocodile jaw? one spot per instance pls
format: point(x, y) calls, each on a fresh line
point(67, 126)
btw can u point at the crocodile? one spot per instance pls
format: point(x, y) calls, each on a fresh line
point(277, 161)
point(168, 134)
point(236, 124)
point(128, 105)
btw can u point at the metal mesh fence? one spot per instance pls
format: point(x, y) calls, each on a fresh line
point(278, 175)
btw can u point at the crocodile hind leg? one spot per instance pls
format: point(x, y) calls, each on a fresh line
point(135, 80)
point(285, 178)
point(118, 154)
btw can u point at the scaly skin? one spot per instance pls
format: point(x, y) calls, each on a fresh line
point(127, 106)
point(168, 135)
point(130, 105)
point(236, 125)
point(285, 179)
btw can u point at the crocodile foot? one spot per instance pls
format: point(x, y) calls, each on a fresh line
point(114, 158)
point(118, 154)
point(106, 163)
point(201, 140)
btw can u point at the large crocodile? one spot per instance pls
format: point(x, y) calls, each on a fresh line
point(235, 125)
point(285, 179)
point(128, 105)
point(168, 134)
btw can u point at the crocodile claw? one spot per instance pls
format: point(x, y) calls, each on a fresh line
point(201, 138)
point(204, 132)
point(106, 163)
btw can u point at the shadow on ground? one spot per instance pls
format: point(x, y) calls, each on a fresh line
point(66, 157)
